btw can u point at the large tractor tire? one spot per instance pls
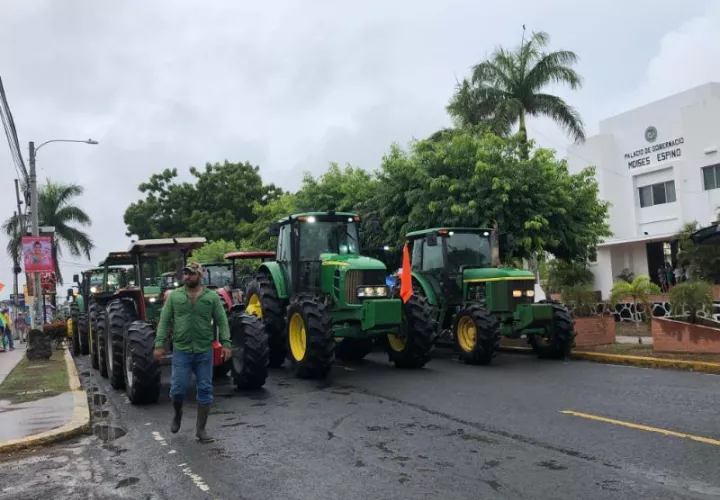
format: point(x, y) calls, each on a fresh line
point(121, 312)
point(476, 334)
point(83, 334)
point(102, 332)
point(92, 323)
point(561, 337)
point(261, 300)
point(354, 349)
point(142, 371)
point(413, 346)
point(250, 351)
point(311, 342)
point(75, 336)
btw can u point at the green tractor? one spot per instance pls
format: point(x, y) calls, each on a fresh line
point(478, 303)
point(320, 291)
point(131, 316)
point(78, 296)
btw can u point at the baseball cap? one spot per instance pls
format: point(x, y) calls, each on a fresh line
point(193, 267)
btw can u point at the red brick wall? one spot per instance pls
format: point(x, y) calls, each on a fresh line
point(676, 336)
point(595, 330)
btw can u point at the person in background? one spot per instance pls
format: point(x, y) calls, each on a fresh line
point(669, 276)
point(20, 326)
point(662, 279)
point(7, 330)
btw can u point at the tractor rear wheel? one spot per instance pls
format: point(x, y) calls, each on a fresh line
point(412, 347)
point(83, 333)
point(75, 336)
point(476, 334)
point(311, 342)
point(102, 329)
point(142, 371)
point(561, 337)
point(354, 349)
point(261, 299)
point(250, 351)
point(121, 312)
point(92, 323)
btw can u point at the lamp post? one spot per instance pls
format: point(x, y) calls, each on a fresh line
point(36, 317)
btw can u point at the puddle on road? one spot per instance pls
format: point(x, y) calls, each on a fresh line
point(128, 481)
point(108, 432)
point(85, 374)
point(101, 413)
point(99, 399)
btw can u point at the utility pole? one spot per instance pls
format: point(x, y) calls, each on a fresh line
point(16, 265)
point(34, 206)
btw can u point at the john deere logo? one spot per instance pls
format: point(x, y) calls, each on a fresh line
point(650, 134)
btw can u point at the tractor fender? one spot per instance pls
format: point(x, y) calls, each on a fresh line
point(274, 270)
point(226, 297)
point(426, 288)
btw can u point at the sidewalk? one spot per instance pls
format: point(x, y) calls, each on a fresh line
point(45, 420)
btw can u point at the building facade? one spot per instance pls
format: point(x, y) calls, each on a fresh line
point(659, 167)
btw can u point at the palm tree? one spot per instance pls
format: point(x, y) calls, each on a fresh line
point(506, 88)
point(639, 290)
point(57, 210)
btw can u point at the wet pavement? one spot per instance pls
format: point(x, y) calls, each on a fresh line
point(9, 359)
point(25, 419)
point(448, 432)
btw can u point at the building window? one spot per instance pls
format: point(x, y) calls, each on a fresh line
point(711, 177)
point(657, 194)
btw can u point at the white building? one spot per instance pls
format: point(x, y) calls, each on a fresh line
point(659, 167)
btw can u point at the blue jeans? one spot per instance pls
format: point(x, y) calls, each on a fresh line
point(184, 364)
point(7, 334)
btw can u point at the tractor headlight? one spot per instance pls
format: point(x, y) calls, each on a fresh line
point(152, 300)
point(93, 289)
point(517, 293)
point(372, 291)
point(530, 293)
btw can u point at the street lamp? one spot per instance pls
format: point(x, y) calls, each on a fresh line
point(36, 218)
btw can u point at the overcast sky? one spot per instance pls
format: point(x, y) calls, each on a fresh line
point(294, 84)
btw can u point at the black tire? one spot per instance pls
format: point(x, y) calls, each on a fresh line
point(418, 330)
point(83, 333)
point(318, 356)
point(92, 323)
point(121, 312)
point(142, 371)
point(561, 334)
point(354, 349)
point(75, 337)
point(102, 332)
point(273, 315)
point(481, 349)
point(250, 351)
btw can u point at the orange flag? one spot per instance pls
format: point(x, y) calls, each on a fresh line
point(2, 287)
point(406, 290)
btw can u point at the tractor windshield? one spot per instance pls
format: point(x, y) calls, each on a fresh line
point(468, 249)
point(219, 275)
point(327, 237)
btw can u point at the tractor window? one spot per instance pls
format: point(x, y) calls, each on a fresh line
point(468, 249)
point(327, 237)
point(217, 275)
point(432, 257)
point(283, 254)
point(416, 257)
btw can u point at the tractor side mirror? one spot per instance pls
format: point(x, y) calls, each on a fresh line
point(431, 240)
point(274, 229)
point(76, 278)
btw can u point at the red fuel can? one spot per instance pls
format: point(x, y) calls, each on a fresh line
point(217, 353)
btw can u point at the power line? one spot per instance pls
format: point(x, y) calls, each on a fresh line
point(11, 134)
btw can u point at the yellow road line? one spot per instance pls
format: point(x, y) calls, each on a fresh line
point(643, 427)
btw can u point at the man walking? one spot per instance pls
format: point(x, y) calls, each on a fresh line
point(191, 310)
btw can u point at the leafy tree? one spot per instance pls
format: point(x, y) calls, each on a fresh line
point(639, 290)
point(222, 198)
point(700, 261)
point(256, 232)
point(507, 88)
point(563, 274)
point(213, 252)
point(57, 209)
point(690, 298)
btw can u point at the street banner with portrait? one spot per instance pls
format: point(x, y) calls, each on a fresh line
point(37, 254)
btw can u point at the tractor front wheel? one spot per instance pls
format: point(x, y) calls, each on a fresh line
point(261, 300)
point(561, 335)
point(83, 333)
point(92, 323)
point(121, 312)
point(476, 334)
point(102, 340)
point(311, 343)
point(142, 371)
point(75, 336)
point(250, 351)
point(412, 347)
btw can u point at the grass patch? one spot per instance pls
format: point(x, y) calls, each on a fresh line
point(33, 380)
point(646, 350)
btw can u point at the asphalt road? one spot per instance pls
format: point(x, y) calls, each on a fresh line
point(449, 431)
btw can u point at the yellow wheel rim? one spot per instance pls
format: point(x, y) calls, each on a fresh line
point(69, 328)
point(253, 306)
point(297, 337)
point(466, 333)
point(397, 343)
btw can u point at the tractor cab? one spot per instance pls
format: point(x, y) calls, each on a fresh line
point(242, 270)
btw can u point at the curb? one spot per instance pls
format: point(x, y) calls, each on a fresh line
point(639, 361)
point(78, 424)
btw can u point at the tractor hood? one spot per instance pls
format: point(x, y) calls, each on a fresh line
point(496, 273)
point(351, 261)
point(151, 291)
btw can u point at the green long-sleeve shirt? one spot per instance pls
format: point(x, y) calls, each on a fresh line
point(192, 328)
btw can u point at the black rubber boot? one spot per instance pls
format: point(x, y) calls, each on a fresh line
point(202, 415)
point(178, 406)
